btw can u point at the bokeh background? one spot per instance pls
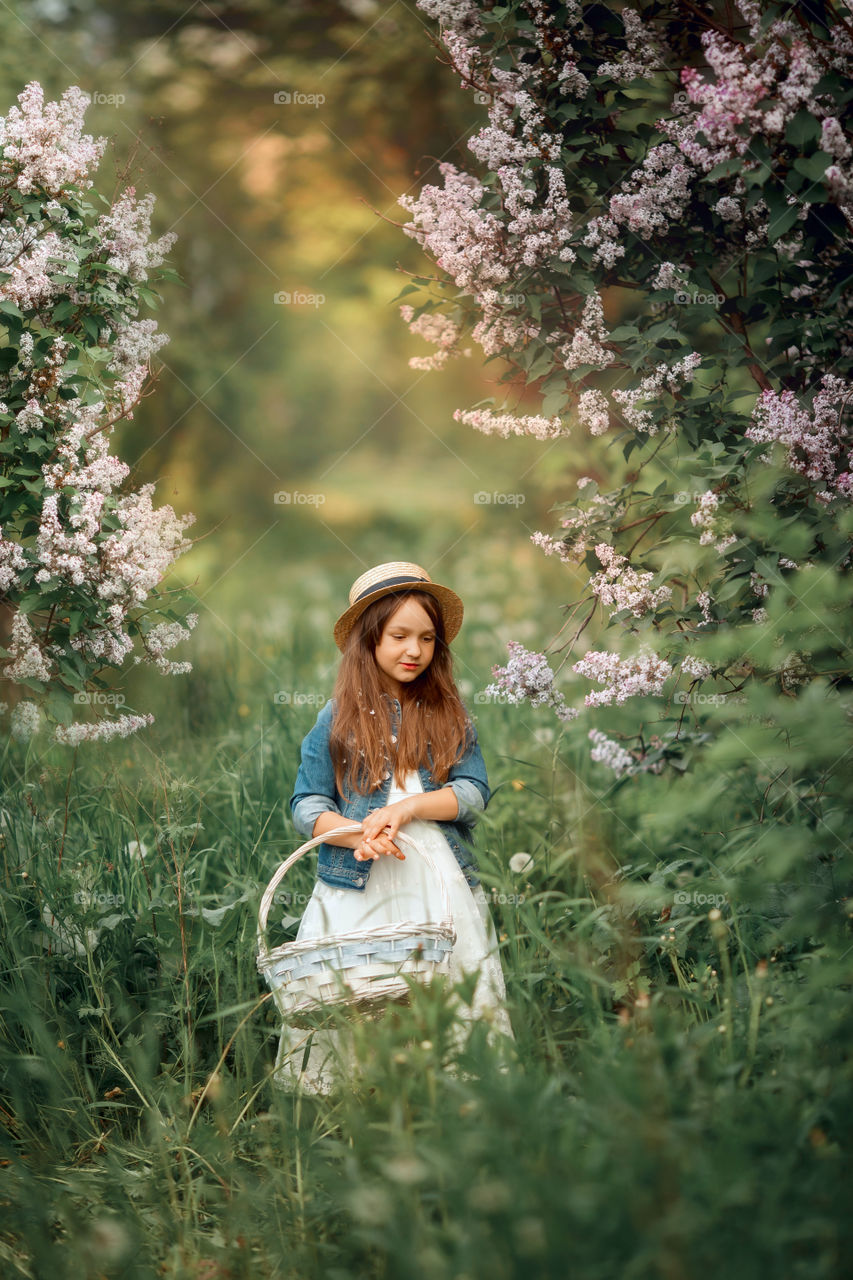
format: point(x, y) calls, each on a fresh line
point(314, 399)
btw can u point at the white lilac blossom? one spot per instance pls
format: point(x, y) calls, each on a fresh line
point(642, 57)
point(608, 752)
point(506, 424)
point(622, 678)
point(551, 545)
point(593, 411)
point(162, 638)
point(125, 234)
point(619, 586)
point(435, 328)
point(818, 442)
point(43, 145)
point(527, 677)
point(25, 720)
point(651, 387)
point(586, 344)
point(669, 275)
point(654, 196)
point(33, 269)
point(696, 667)
point(704, 602)
point(12, 560)
point(713, 526)
point(100, 730)
point(27, 661)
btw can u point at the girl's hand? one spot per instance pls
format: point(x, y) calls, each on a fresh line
point(379, 829)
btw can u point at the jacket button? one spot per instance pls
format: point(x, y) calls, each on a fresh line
point(393, 737)
point(360, 880)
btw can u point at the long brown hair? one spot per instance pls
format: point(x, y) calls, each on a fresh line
point(432, 712)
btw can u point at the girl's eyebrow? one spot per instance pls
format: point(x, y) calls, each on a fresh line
point(428, 631)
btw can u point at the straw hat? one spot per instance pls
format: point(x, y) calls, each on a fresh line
point(397, 575)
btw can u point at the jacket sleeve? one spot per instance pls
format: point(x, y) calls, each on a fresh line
point(314, 791)
point(470, 782)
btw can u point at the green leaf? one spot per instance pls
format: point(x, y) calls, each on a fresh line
point(802, 128)
point(814, 166)
point(782, 222)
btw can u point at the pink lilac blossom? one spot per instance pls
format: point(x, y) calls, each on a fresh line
point(43, 146)
point(618, 586)
point(528, 678)
point(27, 661)
point(100, 730)
point(622, 678)
point(732, 108)
point(508, 424)
point(818, 442)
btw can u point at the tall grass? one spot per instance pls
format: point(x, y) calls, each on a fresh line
point(679, 1098)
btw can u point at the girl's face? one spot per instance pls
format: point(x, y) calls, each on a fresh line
point(407, 645)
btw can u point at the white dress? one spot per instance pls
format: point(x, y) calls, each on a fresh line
point(400, 890)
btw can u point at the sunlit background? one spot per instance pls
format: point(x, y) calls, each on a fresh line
point(312, 400)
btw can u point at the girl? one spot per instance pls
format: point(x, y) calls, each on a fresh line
point(394, 748)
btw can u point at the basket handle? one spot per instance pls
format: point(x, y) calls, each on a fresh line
point(266, 900)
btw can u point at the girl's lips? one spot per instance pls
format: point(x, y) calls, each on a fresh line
point(410, 666)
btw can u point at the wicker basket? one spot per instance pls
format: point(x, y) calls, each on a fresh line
point(359, 968)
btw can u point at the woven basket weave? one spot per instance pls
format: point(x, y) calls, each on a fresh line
point(360, 968)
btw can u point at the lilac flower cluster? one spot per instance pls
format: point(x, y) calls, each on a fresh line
point(506, 424)
point(77, 548)
point(527, 677)
point(437, 329)
point(713, 526)
point(818, 443)
point(100, 730)
point(619, 586)
point(651, 387)
point(622, 678)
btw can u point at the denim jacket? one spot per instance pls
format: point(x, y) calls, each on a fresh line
point(316, 792)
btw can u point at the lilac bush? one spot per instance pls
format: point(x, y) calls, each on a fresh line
point(81, 552)
point(654, 238)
